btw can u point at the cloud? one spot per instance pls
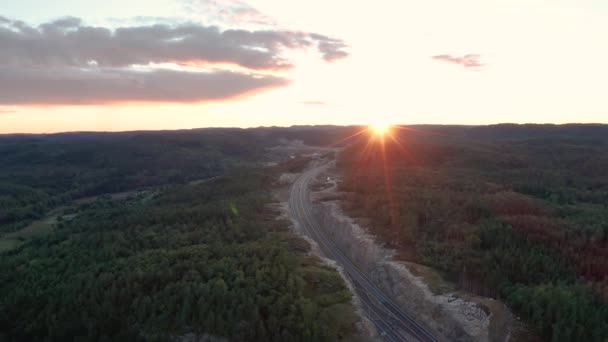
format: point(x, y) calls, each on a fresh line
point(65, 62)
point(331, 48)
point(467, 61)
point(144, 20)
point(68, 42)
point(229, 12)
point(7, 111)
point(109, 86)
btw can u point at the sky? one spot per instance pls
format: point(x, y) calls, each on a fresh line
point(74, 65)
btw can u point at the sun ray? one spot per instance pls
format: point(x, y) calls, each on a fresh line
point(381, 139)
point(398, 143)
point(393, 210)
point(348, 137)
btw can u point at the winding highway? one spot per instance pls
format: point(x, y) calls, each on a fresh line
point(392, 323)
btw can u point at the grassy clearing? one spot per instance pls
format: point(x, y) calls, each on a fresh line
point(44, 226)
point(8, 244)
point(35, 229)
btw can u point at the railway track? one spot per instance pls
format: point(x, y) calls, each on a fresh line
point(392, 323)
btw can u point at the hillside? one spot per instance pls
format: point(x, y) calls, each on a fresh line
point(195, 250)
point(515, 212)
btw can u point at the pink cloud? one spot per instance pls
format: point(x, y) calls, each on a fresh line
point(467, 61)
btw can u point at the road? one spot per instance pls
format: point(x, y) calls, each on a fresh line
point(392, 323)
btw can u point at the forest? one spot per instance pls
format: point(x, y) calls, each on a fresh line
point(41, 172)
point(184, 260)
point(518, 212)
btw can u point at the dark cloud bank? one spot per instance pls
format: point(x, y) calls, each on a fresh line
point(107, 86)
point(66, 62)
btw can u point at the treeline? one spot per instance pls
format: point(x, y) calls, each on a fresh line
point(209, 259)
point(517, 212)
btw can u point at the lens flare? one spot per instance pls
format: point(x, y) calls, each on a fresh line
point(380, 128)
point(383, 143)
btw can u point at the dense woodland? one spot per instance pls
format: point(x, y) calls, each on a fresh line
point(187, 259)
point(516, 212)
point(41, 172)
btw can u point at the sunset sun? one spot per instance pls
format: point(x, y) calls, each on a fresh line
point(380, 128)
